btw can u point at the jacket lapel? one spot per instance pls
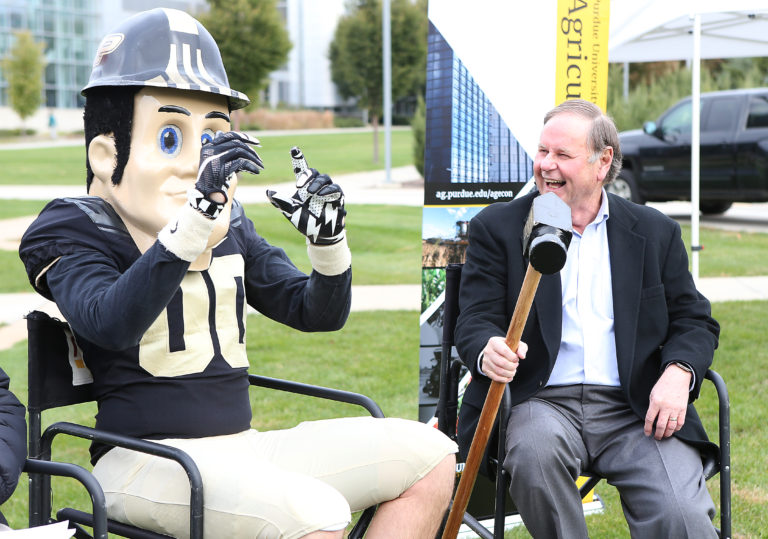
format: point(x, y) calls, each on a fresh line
point(627, 252)
point(548, 304)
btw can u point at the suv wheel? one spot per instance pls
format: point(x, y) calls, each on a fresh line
point(624, 186)
point(714, 207)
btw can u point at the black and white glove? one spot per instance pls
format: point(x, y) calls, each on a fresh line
point(316, 209)
point(187, 235)
point(220, 158)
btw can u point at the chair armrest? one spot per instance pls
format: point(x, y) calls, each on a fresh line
point(317, 391)
point(724, 442)
point(67, 469)
point(143, 446)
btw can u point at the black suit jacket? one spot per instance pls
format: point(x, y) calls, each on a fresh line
point(659, 316)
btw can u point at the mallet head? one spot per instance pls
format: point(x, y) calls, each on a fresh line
point(548, 233)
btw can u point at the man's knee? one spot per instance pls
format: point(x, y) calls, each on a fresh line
point(539, 452)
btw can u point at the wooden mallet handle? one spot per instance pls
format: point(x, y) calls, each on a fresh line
point(490, 408)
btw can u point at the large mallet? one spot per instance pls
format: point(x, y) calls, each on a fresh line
point(546, 235)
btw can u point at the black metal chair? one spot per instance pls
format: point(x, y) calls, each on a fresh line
point(50, 386)
point(447, 412)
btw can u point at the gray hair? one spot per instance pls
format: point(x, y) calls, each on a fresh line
point(602, 133)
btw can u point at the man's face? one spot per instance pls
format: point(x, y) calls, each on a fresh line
point(562, 162)
point(169, 127)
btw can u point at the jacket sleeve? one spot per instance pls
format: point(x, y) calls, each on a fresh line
point(13, 439)
point(483, 296)
point(110, 308)
point(693, 334)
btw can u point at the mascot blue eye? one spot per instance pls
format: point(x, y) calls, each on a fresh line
point(207, 136)
point(169, 140)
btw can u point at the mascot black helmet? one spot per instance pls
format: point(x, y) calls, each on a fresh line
point(165, 48)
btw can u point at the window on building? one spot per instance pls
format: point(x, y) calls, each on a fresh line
point(50, 98)
point(50, 74)
point(17, 20)
point(49, 23)
point(284, 92)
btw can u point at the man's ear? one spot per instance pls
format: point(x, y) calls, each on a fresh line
point(606, 159)
point(102, 156)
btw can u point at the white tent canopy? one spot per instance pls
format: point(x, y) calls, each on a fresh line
point(658, 30)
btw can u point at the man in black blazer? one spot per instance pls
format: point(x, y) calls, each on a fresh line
point(613, 353)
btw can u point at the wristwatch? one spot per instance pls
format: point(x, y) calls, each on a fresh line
point(684, 366)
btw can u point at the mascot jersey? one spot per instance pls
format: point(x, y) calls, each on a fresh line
point(166, 346)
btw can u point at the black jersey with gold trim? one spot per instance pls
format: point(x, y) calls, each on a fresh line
point(166, 346)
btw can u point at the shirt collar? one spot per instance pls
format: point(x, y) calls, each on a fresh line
point(602, 213)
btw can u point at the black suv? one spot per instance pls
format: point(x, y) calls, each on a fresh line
point(733, 157)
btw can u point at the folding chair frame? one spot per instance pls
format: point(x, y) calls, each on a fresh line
point(40, 467)
point(447, 411)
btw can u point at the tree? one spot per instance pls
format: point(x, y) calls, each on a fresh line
point(356, 55)
point(252, 39)
point(23, 69)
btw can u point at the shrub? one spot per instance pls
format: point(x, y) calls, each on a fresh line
point(287, 119)
point(419, 128)
point(348, 121)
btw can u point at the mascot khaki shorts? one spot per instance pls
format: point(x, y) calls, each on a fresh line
point(283, 483)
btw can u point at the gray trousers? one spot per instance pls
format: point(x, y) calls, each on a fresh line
point(565, 430)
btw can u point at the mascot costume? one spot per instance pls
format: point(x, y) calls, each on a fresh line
point(154, 271)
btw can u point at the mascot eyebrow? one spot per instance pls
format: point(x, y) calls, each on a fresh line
point(182, 110)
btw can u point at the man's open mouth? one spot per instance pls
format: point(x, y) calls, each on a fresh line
point(554, 184)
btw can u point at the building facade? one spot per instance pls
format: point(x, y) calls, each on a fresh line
point(467, 141)
point(305, 79)
point(68, 29)
point(71, 29)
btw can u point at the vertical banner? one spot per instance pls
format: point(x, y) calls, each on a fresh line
point(581, 71)
point(471, 159)
point(493, 70)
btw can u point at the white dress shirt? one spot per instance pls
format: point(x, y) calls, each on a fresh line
point(587, 352)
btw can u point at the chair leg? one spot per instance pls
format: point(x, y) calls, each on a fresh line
point(358, 531)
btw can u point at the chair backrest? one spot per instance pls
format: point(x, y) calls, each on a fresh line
point(54, 365)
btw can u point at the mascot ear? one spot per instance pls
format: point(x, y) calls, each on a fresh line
point(102, 156)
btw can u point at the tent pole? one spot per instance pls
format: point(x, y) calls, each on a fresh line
point(386, 31)
point(695, 145)
point(626, 81)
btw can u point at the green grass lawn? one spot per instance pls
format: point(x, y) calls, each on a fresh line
point(335, 153)
point(377, 354)
point(729, 253)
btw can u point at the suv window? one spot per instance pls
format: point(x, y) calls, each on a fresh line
point(678, 121)
point(723, 114)
point(758, 112)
